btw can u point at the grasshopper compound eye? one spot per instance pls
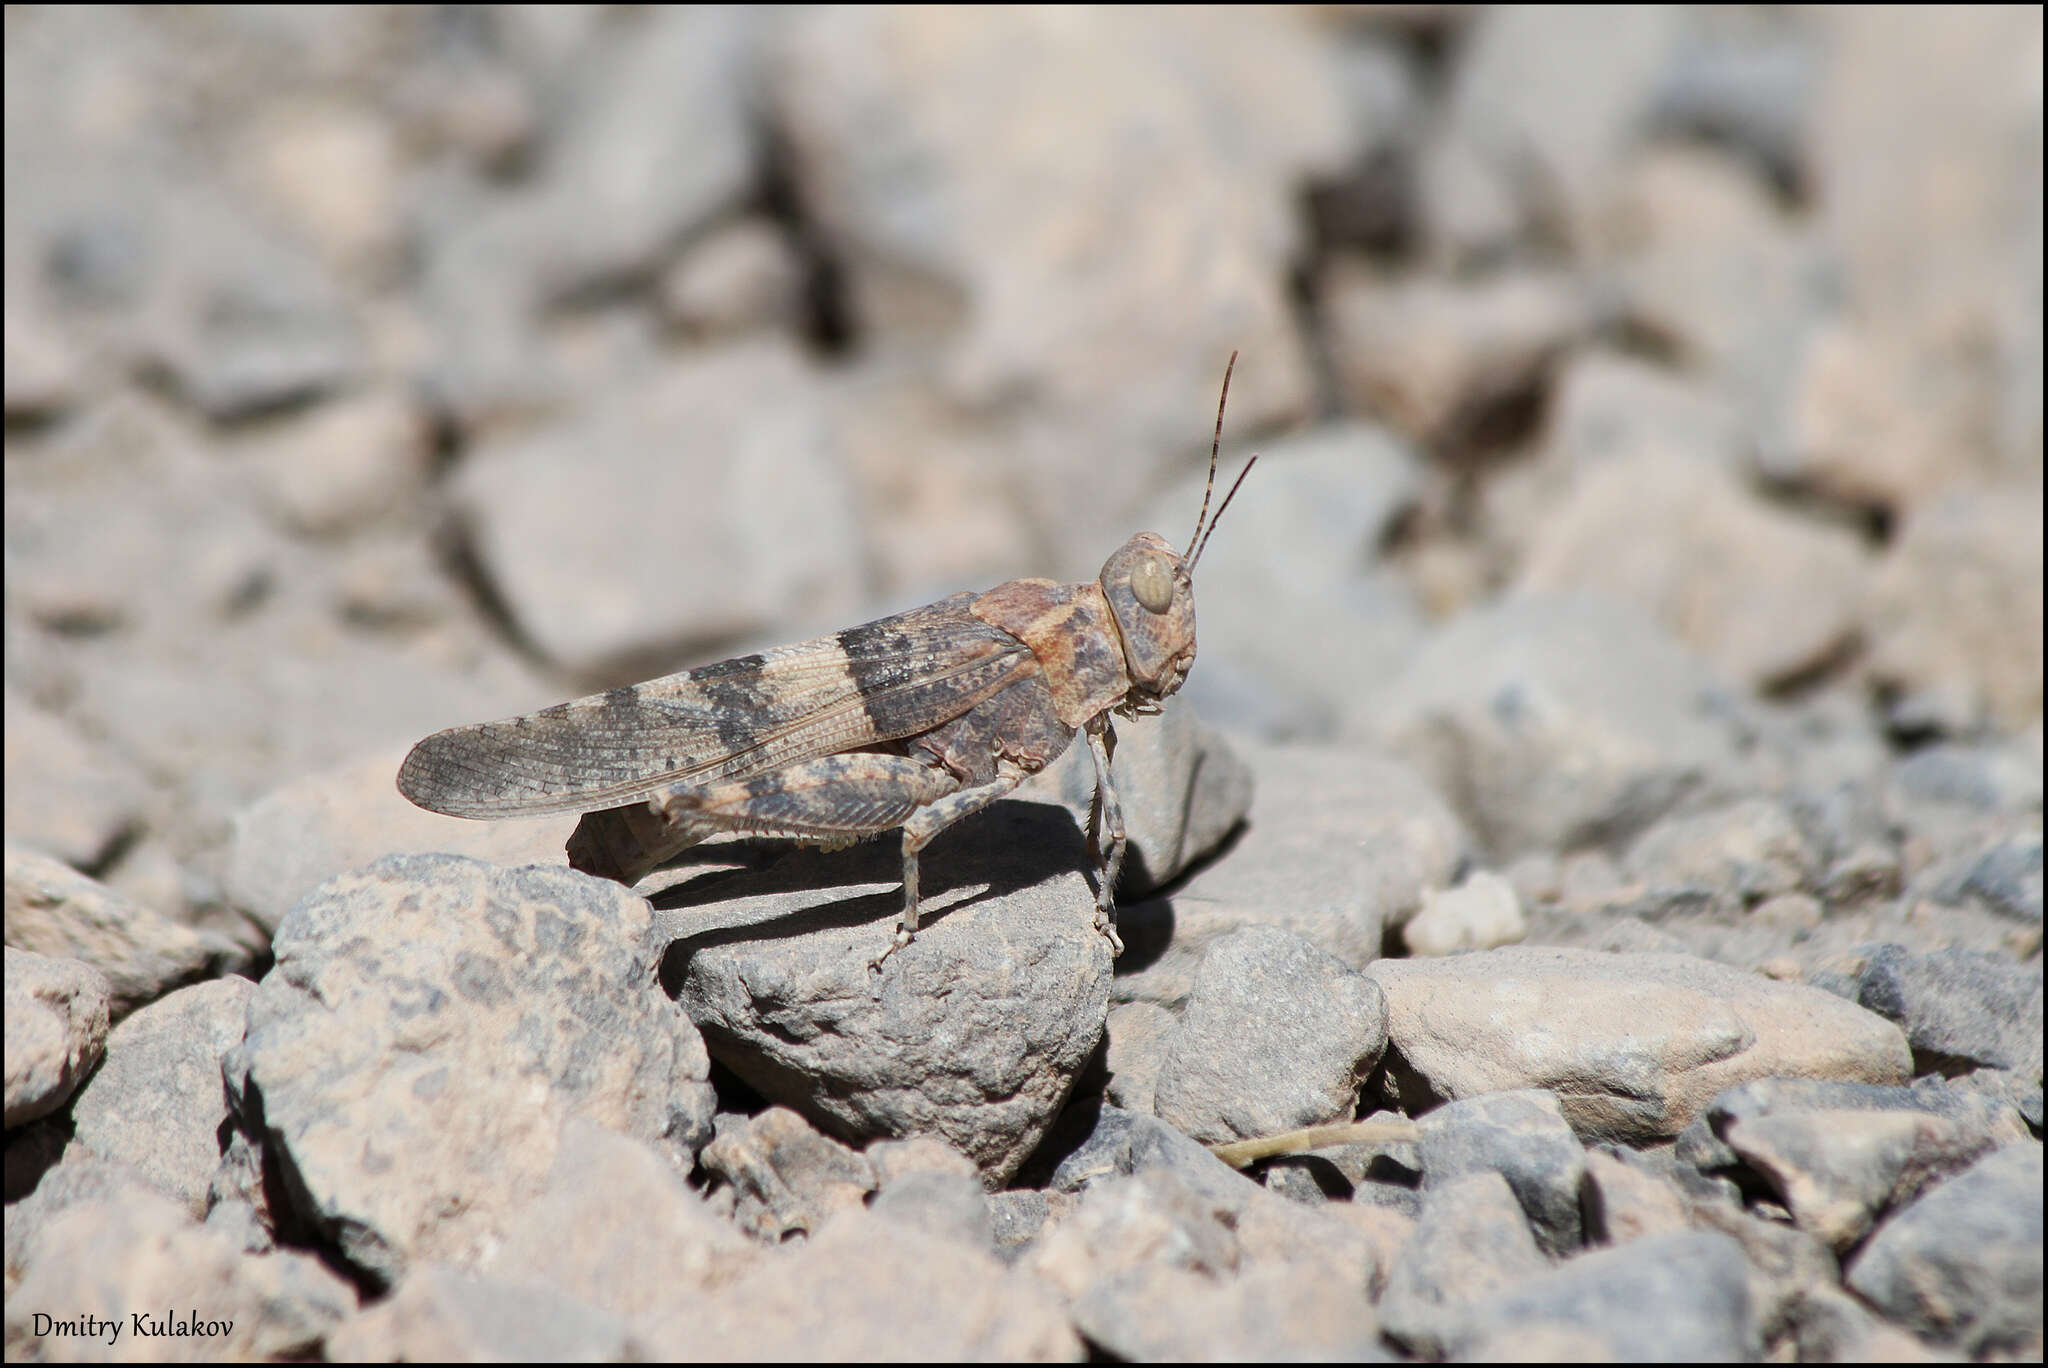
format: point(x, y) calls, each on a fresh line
point(1152, 583)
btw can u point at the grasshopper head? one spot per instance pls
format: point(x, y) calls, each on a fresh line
point(1152, 597)
point(1152, 590)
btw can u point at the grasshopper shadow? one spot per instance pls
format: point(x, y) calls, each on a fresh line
point(1010, 846)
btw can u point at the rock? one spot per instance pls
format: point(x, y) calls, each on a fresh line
point(790, 1179)
point(1958, 1005)
point(1120, 1143)
point(1523, 1137)
point(1277, 1034)
point(292, 840)
point(1442, 359)
point(1560, 722)
point(1180, 784)
point(1555, 99)
point(1962, 1265)
point(1471, 1241)
point(145, 1258)
point(78, 1179)
point(981, 1024)
point(1683, 1296)
point(441, 1313)
point(1138, 1034)
point(1955, 617)
point(157, 1104)
point(56, 1031)
point(429, 1007)
point(1613, 408)
point(346, 466)
point(54, 910)
point(951, 1206)
point(1839, 1155)
point(616, 1228)
point(938, 197)
point(1745, 86)
point(1681, 539)
point(1157, 1312)
point(1736, 855)
point(65, 795)
point(1340, 844)
point(592, 487)
point(1575, 1021)
point(1296, 562)
point(872, 1288)
point(1707, 260)
point(741, 276)
point(1479, 914)
point(1626, 1199)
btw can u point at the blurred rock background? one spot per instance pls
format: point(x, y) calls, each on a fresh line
point(373, 370)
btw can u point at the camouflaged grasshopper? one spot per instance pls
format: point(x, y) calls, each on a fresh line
point(912, 721)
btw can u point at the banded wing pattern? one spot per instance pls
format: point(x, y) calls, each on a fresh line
point(881, 681)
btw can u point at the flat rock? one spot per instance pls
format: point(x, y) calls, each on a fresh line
point(55, 910)
point(157, 1104)
point(1962, 1266)
point(65, 794)
point(1341, 843)
point(57, 1012)
point(1633, 1044)
point(974, 1033)
point(1276, 1035)
point(428, 1008)
point(1737, 855)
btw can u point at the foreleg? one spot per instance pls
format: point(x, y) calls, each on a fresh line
point(1106, 819)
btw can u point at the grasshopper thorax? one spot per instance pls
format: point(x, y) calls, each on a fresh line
point(1152, 600)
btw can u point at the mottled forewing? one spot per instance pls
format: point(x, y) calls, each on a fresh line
point(884, 680)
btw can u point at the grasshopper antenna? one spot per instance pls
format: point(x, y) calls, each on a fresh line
point(1219, 513)
point(1215, 445)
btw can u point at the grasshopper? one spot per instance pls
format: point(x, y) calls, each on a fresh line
point(911, 721)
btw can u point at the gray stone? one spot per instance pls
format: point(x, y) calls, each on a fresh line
point(1138, 1033)
point(1180, 784)
point(591, 487)
point(1958, 1006)
point(1559, 722)
point(1680, 1298)
point(790, 1179)
point(870, 1288)
point(951, 1206)
point(441, 1313)
point(1523, 1137)
point(429, 1008)
point(65, 794)
point(1161, 1313)
point(1340, 844)
point(1293, 565)
point(54, 910)
point(1628, 1199)
point(1123, 1143)
point(1682, 539)
point(1962, 1265)
point(1839, 1155)
point(157, 1104)
point(1483, 911)
point(144, 1256)
point(617, 1229)
point(57, 1012)
point(1276, 1035)
point(1472, 1240)
point(1747, 86)
point(1579, 1022)
point(975, 1032)
point(2006, 877)
point(1737, 855)
point(938, 199)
